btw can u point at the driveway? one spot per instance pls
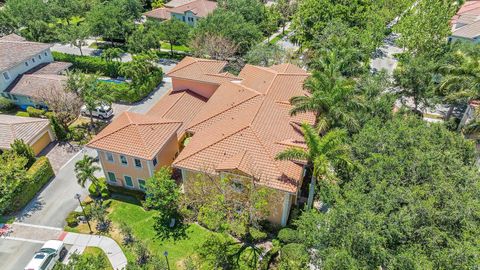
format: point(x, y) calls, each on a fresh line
point(59, 153)
point(48, 208)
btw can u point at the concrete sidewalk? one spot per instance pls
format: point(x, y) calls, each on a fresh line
point(40, 234)
point(80, 241)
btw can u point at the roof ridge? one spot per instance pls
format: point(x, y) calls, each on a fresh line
point(176, 101)
point(226, 110)
point(264, 148)
point(175, 70)
point(216, 142)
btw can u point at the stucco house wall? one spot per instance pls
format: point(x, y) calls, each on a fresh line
point(165, 157)
point(188, 17)
point(24, 66)
point(204, 89)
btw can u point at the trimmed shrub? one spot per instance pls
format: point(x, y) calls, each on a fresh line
point(104, 193)
point(139, 195)
point(22, 114)
point(72, 219)
point(287, 236)
point(39, 174)
point(257, 234)
point(6, 104)
point(90, 64)
point(294, 256)
point(20, 148)
point(35, 112)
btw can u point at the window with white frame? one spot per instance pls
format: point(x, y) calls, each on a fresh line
point(112, 177)
point(123, 160)
point(141, 184)
point(109, 157)
point(138, 163)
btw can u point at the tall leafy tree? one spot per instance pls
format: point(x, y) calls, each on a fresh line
point(75, 35)
point(230, 25)
point(413, 205)
point(175, 32)
point(461, 79)
point(426, 26)
point(92, 94)
point(21, 149)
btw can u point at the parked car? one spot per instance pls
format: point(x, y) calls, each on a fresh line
point(47, 256)
point(102, 112)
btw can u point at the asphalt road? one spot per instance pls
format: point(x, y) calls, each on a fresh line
point(49, 208)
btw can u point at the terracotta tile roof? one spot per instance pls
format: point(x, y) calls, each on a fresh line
point(15, 50)
point(203, 70)
point(245, 125)
point(181, 106)
point(135, 135)
point(158, 13)
point(16, 127)
point(176, 3)
point(201, 8)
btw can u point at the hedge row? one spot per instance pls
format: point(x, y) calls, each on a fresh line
point(90, 64)
point(39, 174)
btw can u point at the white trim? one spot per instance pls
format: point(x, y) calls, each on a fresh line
point(120, 159)
point(23, 240)
point(37, 226)
point(125, 181)
point(135, 164)
point(286, 209)
point(106, 157)
point(150, 171)
point(108, 177)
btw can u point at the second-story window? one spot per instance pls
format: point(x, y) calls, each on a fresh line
point(123, 160)
point(155, 161)
point(33, 60)
point(138, 163)
point(26, 64)
point(45, 53)
point(40, 57)
point(110, 157)
point(6, 76)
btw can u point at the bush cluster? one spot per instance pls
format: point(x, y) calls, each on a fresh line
point(90, 64)
point(39, 174)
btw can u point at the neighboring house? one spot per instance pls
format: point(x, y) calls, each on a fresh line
point(226, 126)
point(35, 132)
point(188, 11)
point(26, 69)
point(466, 23)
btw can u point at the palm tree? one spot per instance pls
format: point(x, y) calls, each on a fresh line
point(85, 170)
point(461, 80)
point(323, 155)
point(331, 97)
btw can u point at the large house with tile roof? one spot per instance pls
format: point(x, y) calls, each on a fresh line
point(188, 11)
point(216, 123)
point(27, 68)
point(466, 23)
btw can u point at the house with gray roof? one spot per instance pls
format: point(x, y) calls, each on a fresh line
point(466, 23)
point(27, 68)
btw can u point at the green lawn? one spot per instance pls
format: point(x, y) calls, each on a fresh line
point(96, 252)
point(128, 210)
point(181, 48)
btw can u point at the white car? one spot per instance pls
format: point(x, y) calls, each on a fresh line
point(47, 256)
point(102, 112)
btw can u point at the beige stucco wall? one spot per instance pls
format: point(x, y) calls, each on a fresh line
point(204, 89)
point(168, 153)
point(276, 199)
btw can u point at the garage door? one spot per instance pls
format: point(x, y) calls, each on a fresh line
point(41, 143)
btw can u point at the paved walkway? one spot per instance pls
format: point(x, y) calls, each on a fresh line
point(40, 234)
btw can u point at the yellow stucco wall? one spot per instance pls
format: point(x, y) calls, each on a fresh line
point(41, 143)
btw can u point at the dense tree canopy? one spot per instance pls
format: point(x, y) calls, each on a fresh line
point(413, 204)
point(230, 25)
